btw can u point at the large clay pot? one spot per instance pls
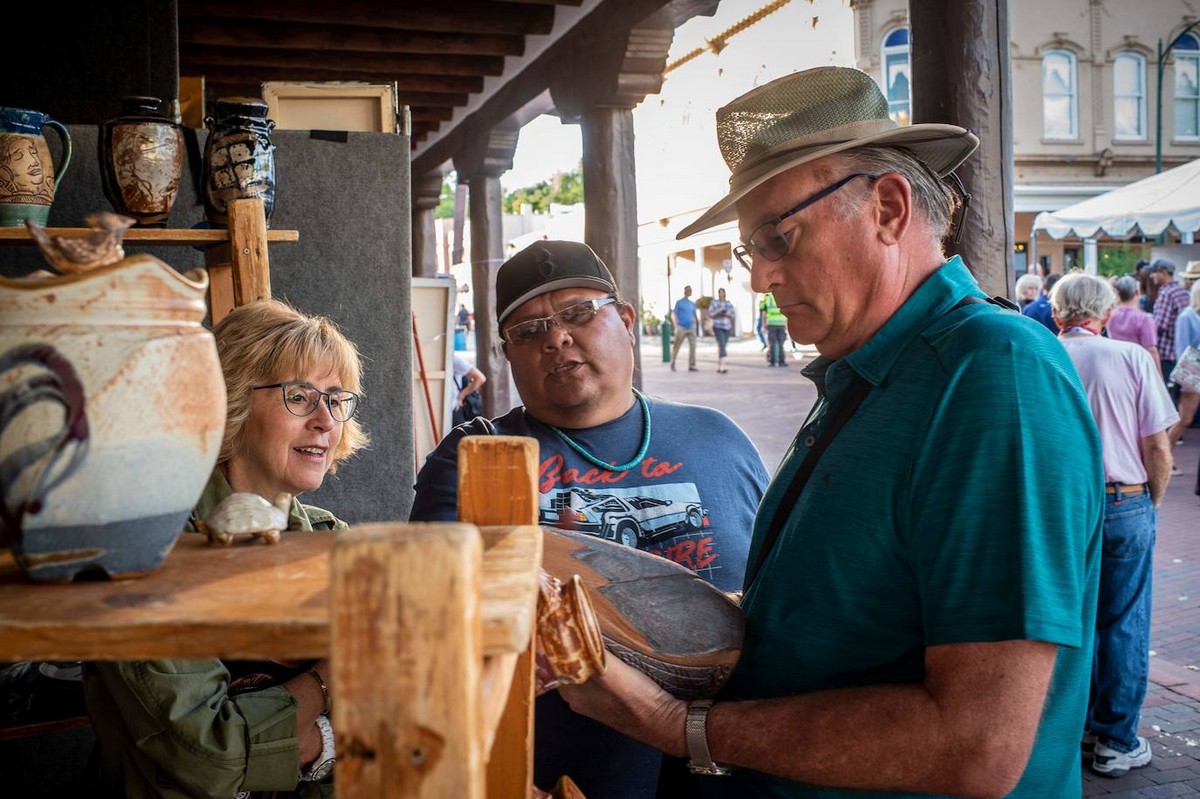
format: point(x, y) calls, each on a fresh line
point(141, 160)
point(239, 158)
point(27, 174)
point(112, 409)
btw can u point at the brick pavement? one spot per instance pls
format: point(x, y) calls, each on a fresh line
point(779, 400)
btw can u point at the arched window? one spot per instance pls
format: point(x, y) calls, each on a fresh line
point(1187, 88)
point(1060, 110)
point(896, 76)
point(1129, 96)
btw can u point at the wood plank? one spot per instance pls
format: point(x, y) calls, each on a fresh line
point(464, 16)
point(346, 38)
point(407, 661)
point(494, 483)
point(220, 284)
point(248, 601)
point(202, 56)
point(248, 251)
point(156, 236)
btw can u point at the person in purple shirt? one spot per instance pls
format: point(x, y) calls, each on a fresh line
point(1129, 322)
point(1133, 412)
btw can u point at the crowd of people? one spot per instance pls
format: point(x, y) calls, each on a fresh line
point(925, 611)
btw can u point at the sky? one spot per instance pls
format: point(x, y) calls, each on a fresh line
point(545, 146)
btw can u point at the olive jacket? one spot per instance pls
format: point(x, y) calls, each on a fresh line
point(170, 729)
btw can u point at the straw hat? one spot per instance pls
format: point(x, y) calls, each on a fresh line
point(1192, 272)
point(811, 114)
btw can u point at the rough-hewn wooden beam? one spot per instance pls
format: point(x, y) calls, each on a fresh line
point(460, 16)
point(197, 56)
point(296, 35)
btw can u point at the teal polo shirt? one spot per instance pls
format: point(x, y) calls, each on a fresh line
point(938, 515)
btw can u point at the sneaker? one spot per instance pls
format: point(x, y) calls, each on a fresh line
point(693, 369)
point(1176, 471)
point(1111, 763)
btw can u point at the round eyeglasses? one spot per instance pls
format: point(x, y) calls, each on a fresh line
point(301, 400)
point(572, 316)
point(767, 242)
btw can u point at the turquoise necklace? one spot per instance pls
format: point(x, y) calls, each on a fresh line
point(641, 453)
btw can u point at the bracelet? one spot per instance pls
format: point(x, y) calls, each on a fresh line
point(316, 675)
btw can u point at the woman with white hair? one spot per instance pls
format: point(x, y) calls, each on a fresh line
point(1027, 288)
point(1187, 333)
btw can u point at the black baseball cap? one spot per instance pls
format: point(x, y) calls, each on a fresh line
point(548, 266)
point(1162, 265)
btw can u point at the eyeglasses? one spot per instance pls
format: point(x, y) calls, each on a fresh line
point(301, 400)
point(572, 316)
point(767, 242)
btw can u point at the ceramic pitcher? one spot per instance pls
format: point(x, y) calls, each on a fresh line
point(112, 409)
point(27, 174)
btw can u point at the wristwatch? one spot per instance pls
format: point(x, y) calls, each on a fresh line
point(324, 762)
point(695, 730)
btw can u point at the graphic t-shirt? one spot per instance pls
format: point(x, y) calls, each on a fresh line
point(692, 500)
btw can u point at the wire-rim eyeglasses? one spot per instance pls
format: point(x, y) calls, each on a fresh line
point(301, 399)
point(575, 315)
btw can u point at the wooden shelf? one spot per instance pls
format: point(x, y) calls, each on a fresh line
point(161, 236)
point(248, 601)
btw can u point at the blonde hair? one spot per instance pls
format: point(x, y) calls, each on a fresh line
point(267, 341)
point(1079, 297)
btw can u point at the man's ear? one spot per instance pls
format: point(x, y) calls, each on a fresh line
point(625, 310)
point(893, 206)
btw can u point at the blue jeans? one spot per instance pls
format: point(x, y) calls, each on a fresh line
point(722, 335)
point(1121, 664)
point(776, 336)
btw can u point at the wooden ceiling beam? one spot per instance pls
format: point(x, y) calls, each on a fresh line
point(460, 16)
point(426, 114)
point(198, 57)
point(300, 36)
point(452, 86)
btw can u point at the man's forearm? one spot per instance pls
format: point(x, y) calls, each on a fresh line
point(1157, 458)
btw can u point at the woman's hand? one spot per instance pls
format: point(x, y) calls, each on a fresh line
point(630, 702)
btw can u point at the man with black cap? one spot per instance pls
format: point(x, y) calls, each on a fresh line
point(614, 463)
point(920, 594)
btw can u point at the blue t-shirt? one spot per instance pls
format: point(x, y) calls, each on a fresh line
point(691, 500)
point(938, 515)
point(685, 312)
point(1039, 309)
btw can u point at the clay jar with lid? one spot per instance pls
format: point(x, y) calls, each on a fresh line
point(141, 160)
point(239, 158)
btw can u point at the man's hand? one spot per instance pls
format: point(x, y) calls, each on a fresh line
point(1157, 458)
point(630, 702)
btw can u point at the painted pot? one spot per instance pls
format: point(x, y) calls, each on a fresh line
point(112, 409)
point(27, 173)
point(239, 158)
point(141, 160)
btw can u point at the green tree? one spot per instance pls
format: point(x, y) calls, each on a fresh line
point(1121, 260)
point(564, 188)
point(445, 206)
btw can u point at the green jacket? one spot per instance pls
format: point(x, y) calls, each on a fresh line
point(168, 728)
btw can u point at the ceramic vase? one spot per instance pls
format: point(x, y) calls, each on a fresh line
point(112, 410)
point(239, 158)
point(141, 160)
point(27, 173)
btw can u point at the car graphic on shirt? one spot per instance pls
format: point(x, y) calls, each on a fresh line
point(632, 517)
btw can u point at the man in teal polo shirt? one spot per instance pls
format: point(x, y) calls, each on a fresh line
point(919, 610)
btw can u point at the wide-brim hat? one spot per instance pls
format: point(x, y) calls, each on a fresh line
point(811, 114)
point(1192, 271)
point(547, 266)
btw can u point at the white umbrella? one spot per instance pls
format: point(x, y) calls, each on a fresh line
point(1150, 205)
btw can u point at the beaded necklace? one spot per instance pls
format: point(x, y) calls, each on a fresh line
point(641, 453)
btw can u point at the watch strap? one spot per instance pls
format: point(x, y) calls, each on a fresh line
point(324, 762)
point(696, 733)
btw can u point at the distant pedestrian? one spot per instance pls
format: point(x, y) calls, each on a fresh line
point(1039, 309)
point(760, 327)
point(722, 312)
point(777, 333)
point(1187, 334)
point(684, 317)
point(1171, 300)
point(468, 402)
point(1129, 322)
point(1133, 412)
point(1027, 288)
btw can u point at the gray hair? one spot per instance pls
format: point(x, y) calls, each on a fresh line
point(1079, 297)
point(1127, 287)
point(1028, 280)
point(933, 199)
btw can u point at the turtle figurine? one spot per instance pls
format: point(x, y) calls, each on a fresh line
point(246, 514)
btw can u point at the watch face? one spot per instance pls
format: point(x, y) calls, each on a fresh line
point(321, 770)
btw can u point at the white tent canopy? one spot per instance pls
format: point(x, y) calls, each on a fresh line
point(1150, 205)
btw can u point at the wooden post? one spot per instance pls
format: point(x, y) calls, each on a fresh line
point(427, 192)
point(497, 484)
point(962, 75)
point(406, 635)
point(248, 251)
